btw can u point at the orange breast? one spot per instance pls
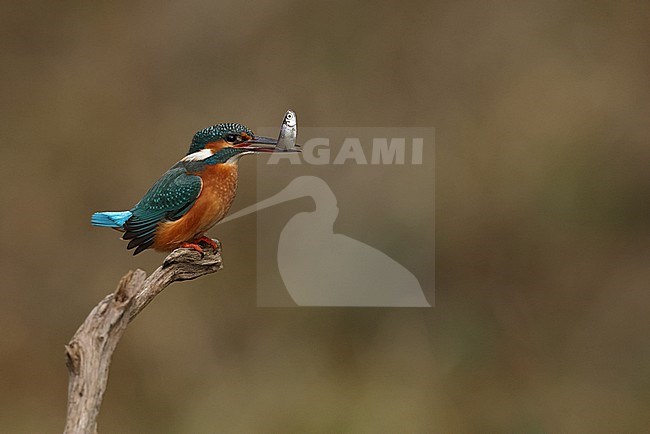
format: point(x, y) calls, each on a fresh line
point(217, 195)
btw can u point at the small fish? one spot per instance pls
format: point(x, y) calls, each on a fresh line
point(288, 133)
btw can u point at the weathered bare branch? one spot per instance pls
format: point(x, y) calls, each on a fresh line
point(89, 352)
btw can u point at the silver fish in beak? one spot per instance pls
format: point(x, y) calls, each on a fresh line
point(288, 133)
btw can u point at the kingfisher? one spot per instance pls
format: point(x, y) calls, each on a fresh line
point(192, 196)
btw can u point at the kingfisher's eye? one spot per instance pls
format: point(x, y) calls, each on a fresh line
point(232, 138)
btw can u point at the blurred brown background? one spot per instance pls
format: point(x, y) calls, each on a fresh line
point(542, 260)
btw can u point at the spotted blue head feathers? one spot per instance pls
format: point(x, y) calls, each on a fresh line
point(215, 133)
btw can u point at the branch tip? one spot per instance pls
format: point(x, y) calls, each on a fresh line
point(93, 344)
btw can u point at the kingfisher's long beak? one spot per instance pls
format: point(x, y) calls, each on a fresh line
point(259, 144)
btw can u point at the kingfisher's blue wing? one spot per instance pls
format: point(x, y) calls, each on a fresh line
point(169, 199)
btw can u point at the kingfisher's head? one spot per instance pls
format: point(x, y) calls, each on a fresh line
point(226, 143)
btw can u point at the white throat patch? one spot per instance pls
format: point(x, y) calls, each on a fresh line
point(198, 155)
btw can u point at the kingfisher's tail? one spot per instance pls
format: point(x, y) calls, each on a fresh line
point(110, 219)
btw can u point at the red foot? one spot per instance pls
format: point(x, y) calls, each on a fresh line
point(215, 244)
point(192, 246)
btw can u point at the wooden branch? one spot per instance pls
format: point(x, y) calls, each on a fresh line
point(89, 352)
